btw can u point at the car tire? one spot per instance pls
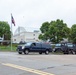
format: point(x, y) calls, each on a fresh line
point(40, 52)
point(47, 52)
point(75, 52)
point(66, 52)
point(19, 52)
point(26, 51)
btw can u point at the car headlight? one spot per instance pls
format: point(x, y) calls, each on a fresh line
point(23, 47)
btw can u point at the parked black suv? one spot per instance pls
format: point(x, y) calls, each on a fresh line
point(66, 48)
point(71, 48)
point(59, 47)
point(34, 47)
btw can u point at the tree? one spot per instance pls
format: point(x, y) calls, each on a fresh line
point(5, 30)
point(44, 27)
point(56, 31)
point(73, 33)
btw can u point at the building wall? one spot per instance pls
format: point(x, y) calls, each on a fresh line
point(1, 39)
point(26, 36)
point(17, 38)
point(31, 36)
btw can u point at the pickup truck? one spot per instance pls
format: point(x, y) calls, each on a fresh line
point(34, 47)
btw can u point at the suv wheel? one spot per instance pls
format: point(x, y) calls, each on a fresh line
point(26, 51)
point(75, 52)
point(40, 52)
point(46, 52)
point(19, 52)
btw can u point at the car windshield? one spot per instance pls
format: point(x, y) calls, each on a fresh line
point(58, 45)
point(28, 44)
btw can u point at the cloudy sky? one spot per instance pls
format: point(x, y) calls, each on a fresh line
point(32, 13)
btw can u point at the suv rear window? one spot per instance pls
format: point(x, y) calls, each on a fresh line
point(70, 45)
point(58, 45)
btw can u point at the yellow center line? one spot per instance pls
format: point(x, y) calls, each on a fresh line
point(27, 69)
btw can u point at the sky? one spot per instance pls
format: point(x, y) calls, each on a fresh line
point(30, 14)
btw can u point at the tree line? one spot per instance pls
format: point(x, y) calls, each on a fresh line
point(5, 30)
point(56, 31)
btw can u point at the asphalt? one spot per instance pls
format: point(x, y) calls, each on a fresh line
point(11, 63)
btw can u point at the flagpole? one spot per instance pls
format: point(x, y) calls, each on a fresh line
point(11, 32)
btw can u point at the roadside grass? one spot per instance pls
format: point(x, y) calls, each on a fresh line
point(8, 48)
point(57, 53)
point(4, 48)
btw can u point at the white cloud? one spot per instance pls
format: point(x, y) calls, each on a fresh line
point(32, 13)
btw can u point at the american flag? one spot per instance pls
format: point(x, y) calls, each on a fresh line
point(13, 21)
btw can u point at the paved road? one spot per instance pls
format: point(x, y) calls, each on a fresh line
point(11, 63)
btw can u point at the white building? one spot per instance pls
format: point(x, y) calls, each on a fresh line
point(1, 39)
point(22, 35)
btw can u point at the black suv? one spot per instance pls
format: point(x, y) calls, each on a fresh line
point(66, 48)
point(71, 48)
point(34, 47)
point(59, 47)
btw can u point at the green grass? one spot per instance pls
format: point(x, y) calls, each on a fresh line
point(57, 53)
point(8, 48)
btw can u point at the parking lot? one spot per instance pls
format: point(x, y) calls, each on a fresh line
point(11, 63)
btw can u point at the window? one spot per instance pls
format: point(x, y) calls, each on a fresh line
point(58, 45)
point(33, 34)
point(14, 39)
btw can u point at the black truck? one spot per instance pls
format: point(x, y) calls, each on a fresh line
point(71, 48)
point(66, 48)
point(59, 47)
point(34, 47)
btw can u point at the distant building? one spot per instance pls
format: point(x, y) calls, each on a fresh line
point(1, 39)
point(22, 35)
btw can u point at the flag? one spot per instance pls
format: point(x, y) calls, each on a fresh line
point(12, 19)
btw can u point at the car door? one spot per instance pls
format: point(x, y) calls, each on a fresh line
point(36, 47)
point(44, 46)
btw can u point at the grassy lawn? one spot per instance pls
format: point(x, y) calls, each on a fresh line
point(8, 48)
point(57, 53)
point(14, 47)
